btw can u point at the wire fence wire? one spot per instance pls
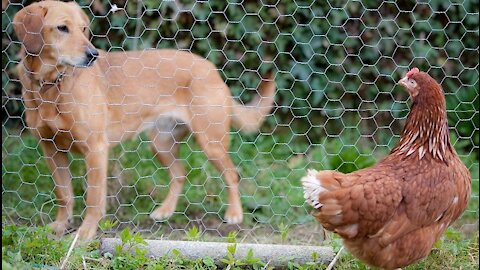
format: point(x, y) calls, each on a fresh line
point(336, 106)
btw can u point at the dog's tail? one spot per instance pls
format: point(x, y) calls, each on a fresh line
point(250, 116)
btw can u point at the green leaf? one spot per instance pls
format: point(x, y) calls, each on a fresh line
point(176, 252)
point(138, 239)
point(107, 224)
point(232, 237)
point(232, 249)
point(118, 249)
point(208, 261)
point(125, 236)
point(193, 233)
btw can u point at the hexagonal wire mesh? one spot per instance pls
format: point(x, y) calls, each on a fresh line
point(336, 106)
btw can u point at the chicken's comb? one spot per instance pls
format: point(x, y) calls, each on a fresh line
point(413, 71)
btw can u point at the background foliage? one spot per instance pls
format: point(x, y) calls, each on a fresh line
point(336, 61)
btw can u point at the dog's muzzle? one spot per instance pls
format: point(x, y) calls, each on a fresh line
point(91, 54)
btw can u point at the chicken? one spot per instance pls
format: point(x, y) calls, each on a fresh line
point(391, 214)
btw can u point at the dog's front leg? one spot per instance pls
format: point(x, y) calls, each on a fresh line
point(96, 160)
point(57, 162)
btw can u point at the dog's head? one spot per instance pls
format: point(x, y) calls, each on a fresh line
point(57, 30)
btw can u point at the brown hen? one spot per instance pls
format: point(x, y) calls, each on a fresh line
point(391, 214)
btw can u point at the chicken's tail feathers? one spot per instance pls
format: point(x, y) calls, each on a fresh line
point(312, 188)
point(317, 182)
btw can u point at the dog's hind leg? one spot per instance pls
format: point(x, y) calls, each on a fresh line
point(58, 163)
point(166, 137)
point(212, 133)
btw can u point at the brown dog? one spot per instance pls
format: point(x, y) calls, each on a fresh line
point(83, 100)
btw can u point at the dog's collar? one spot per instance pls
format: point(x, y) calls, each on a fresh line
point(46, 85)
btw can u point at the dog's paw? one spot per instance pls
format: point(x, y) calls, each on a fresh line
point(234, 216)
point(87, 231)
point(59, 227)
point(163, 212)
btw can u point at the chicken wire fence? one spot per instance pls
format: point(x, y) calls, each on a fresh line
point(337, 106)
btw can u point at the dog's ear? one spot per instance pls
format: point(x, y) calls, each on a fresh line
point(28, 24)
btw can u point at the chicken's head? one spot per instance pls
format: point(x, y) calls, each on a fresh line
point(409, 82)
point(422, 87)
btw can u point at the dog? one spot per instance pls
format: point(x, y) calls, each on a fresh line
point(84, 100)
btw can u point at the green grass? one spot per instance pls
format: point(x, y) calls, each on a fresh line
point(28, 247)
point(270, 166)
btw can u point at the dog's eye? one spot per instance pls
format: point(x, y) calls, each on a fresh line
point(62, 28)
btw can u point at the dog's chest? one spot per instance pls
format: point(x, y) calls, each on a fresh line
point(48, 117)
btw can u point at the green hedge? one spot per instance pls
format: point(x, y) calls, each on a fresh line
point(337, 62)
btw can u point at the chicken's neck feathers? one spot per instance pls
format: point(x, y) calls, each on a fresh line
point(425, 132)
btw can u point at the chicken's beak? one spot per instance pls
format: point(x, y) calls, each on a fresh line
point(403, 82)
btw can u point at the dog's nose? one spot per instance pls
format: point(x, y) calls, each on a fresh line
point(91, 53)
